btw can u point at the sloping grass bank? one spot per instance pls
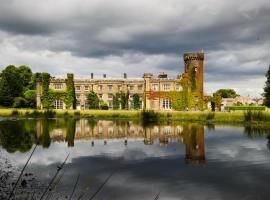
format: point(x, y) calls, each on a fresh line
point(151, 116)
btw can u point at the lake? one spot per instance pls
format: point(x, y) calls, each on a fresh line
point(129, 160)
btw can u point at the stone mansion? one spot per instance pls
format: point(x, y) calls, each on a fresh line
point(185, 91)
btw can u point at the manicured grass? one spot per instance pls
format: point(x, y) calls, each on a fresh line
point(147, 116)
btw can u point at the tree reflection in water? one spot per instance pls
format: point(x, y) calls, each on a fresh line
point(44, 132)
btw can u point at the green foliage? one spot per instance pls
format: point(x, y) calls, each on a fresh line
point(19, 102)
point(70, 98)
point(123, 100)
point(235, 108)
point(266, 93)
point(216, 100)
point(136, 101)
point(30, 97)
point(250, 116)
point(47, 94)
point(227, 93)
point(181, 100)
point(93, 100)
point(116, 102)
point(104, 106)
point(26, 76)
point(148, 117)
point(11, 85)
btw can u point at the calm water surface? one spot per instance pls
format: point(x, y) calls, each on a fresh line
point(175, 160)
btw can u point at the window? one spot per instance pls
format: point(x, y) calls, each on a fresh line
point(100, 87)
point(58, 104)
point(86, 88)
point(178, 87)
point(110, 104)
point(155, 87)
point(166, 87)
point(166, 104)
point(131, 87)
point(58, 86)
point(110, 87)
point(100, 96)
point(140, 87)
point(78, 88)
point(110, 96)
point(77, 96)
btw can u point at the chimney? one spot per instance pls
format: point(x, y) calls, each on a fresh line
point(125, 75)
point(162, 75)
point(104, 75)
point(92, 75)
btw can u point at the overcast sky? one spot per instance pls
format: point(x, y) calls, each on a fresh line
point(138, 36)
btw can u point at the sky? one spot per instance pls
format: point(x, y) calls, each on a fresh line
point(113, 37)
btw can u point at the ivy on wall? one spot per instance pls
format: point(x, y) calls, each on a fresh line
point(70, 99)
point(47, 96)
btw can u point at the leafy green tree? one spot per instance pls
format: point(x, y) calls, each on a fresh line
point(123, 100)
point(19, 102)
point(26, 76)
point(93, 100)
point(136, 101)
point(11, 85)
point(266, 93)
point(227, 93)
point(30, 97)
point(116, 102)
point(216, 101)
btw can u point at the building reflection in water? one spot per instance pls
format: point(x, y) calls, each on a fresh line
point(191, 135)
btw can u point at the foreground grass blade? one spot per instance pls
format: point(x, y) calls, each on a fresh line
point(101, 186)
point(51, 182)
point(12, 192)
point(74, 188)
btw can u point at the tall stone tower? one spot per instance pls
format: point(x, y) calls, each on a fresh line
point(195, 70)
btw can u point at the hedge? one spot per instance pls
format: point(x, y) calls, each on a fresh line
point(235, 108)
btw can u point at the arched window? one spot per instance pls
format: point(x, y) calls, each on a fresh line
point(167, 104)
point(58, 104)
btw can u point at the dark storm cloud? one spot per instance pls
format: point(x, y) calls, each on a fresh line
point(160, 32)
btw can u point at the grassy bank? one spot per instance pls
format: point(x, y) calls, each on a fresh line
point(206, 117)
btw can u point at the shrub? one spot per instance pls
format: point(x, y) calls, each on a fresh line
point(104, 106)
point(19, 102)
point(243, 108)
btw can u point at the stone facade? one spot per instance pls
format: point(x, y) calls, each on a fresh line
point(154, 92)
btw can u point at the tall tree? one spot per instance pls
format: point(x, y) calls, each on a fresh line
point(266, 93)
point(116, 102)
point(227, 93)
point(11, 85)
point(93, 100)
point(136, 101)
point(26, 76)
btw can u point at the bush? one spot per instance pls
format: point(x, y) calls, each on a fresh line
point(104, 106)
point(256, 116)
point(19, 102)
point(210, 115)
point(243, 108)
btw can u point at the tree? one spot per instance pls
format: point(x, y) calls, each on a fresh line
point(93, 100)
point(30, 97)
point(266, 93)
point(227, 93)
point(136, 101)
point(116, 103)
point(11, 85)
point(104, 106)
point(216, 101)
point(26, 76)
point(123, 100)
